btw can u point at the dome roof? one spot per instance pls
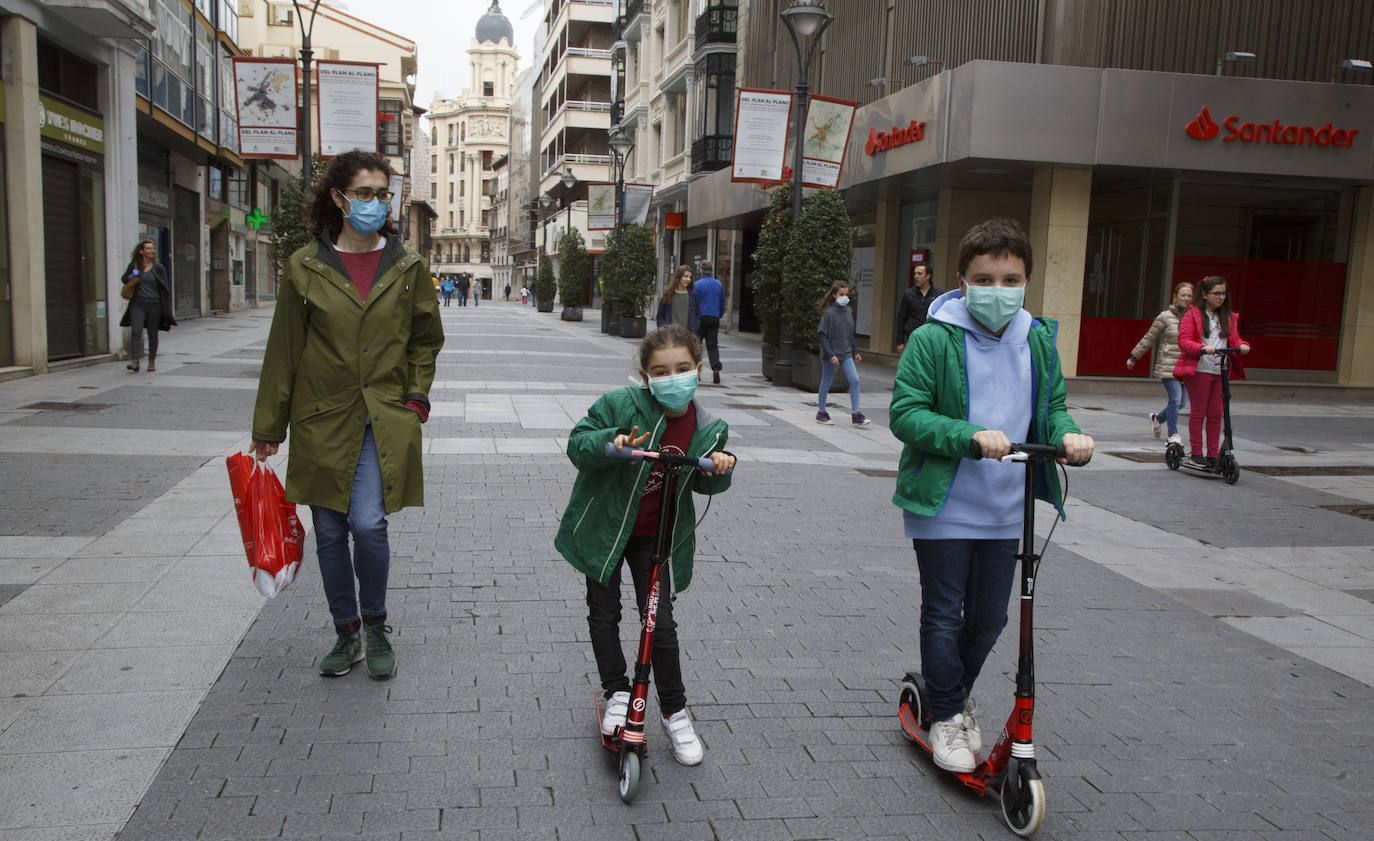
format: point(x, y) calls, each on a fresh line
point(493, 26)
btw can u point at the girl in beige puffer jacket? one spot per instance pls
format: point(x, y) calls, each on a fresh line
point(1163, 337)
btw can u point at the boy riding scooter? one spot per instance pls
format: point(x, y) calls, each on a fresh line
point(981, 371)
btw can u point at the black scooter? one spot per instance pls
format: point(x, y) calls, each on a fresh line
point(1225, 465)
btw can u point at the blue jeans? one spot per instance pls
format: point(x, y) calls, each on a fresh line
point(828, 376)
point(371, 559)
point(1178, 400)
point(965, 585)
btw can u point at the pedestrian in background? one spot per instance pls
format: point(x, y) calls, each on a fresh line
point(463, 285)
point(612, 518)
point(524, 295)
point(1207, 326)
point(838, 350)
point(710, 307)
point(507, 290)
point(349, 363)
point(447, 289)
point(679, 304)
point(150, 307)
point(1163, 338)
point(911, 313)
point(476, 292)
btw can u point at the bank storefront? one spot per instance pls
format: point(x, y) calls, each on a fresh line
point(1128, 182)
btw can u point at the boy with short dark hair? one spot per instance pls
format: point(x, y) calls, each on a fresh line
point(981, 370)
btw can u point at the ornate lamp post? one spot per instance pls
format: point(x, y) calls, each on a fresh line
point(307, 168)
point(620, 144)
point(805, 19)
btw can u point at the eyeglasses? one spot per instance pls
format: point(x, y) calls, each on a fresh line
point(1221, 294)
point(368, 194)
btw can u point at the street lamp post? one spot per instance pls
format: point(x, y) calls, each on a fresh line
point(804, 19)
point(307, 167)
point(620, 144)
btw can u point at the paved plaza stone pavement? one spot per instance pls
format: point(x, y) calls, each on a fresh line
point(1204, 652)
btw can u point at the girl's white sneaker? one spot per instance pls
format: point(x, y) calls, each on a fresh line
point(617, 707)
point(686, 746)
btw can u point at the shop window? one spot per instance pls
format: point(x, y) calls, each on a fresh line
point(68, 75)
point(389, 128)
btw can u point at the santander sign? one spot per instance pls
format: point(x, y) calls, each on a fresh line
point(1275, 131)
point(881, 141)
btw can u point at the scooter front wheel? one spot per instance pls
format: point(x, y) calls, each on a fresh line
point(1023, 799)
point(629, 775)
point(1230, 469)
point(1173, 456)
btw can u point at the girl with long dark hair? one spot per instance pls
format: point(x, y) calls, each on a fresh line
point(1206, 327)
point(838, 350)
point(150, 308)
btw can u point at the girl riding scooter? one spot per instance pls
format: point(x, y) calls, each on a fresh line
point(1207, 326)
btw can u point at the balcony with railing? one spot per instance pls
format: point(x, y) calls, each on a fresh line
point(717, 25)
point(712, 152)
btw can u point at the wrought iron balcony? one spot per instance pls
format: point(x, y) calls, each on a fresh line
point(717, 25)
point(712, 152)
point(633, 8)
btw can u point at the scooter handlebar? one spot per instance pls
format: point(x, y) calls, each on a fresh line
point(1024, 452)
point(705, 465)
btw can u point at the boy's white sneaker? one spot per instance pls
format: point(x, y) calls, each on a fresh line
point(1174, 439)
point(975, 736)
point(686, 746)
point(617, 707)
point(949, 745)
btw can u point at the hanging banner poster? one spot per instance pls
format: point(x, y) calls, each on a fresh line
point(600, 206)
point(826, 138)
point(637, 198)
point(265, 96)
point(761, 118)
point(396, 185)
point(348, 107)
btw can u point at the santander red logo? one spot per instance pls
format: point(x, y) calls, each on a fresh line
point(1274, 131)
point(881, 141)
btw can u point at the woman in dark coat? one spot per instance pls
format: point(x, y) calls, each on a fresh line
point(151, 306)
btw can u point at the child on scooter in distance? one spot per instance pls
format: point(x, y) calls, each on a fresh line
point(980, 370)
point(613, 517)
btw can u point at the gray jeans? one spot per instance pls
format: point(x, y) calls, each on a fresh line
point(143, 315)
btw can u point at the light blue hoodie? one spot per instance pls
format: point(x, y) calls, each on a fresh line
point(987, 497)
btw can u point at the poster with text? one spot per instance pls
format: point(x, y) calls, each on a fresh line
point(825, 140)
point(600, 207)
point(347, 107)
point(637, 199)
point(265, 98)
point(396, 185)
point(761, 118)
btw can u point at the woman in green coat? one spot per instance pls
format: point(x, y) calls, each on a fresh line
point(348, 368)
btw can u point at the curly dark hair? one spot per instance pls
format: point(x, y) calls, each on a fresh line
point(324, 214)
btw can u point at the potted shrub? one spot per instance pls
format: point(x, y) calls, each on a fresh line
point(609, 317)
point(574, 272)
point(635, 269)
point(769, 258)
point(545, 287)
point(819, 253)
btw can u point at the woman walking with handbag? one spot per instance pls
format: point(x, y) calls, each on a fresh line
point(149, 294)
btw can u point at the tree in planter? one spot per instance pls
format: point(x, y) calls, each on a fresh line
point(818, 254)
point(574, 268)
point(635, 265)
point(544, 285)
point(290, 229)
point(770, 257)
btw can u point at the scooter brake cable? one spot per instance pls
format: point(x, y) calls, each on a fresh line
point(1063, 471)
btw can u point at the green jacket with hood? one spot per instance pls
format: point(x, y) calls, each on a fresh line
point(336, 363)
point(929, 413)
point(605, 497)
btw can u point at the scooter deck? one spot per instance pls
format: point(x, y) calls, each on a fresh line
point(976, 780)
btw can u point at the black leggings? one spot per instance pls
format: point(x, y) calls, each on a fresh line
point(603, 621)
point(144, 316)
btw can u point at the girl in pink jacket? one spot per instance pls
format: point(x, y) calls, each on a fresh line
point(1206, 327)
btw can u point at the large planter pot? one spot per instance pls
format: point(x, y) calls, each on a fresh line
point(770, 358)
point(806, 373)
point(545, 306)
point(608, 321)
point(572, 314)
point(633, 328)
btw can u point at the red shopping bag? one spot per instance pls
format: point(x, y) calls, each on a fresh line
point(272, 534)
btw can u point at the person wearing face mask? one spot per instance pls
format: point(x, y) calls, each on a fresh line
point(838, 350)
point(349, 363)
point(981, 370)
point(612, 517)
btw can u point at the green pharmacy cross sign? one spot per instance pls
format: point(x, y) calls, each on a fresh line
point(256, 219)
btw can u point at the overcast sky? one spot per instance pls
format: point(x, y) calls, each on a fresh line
point(442, 31)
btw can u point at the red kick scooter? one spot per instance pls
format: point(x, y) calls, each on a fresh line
point(1010, 766)
point(627, 742)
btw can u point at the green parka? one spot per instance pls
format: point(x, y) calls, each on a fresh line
point(929, 413)
point(335, 363)
point(605, 497)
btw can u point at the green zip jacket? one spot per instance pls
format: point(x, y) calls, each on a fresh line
point(929, 413)
point(605, 497)
point(336, 363)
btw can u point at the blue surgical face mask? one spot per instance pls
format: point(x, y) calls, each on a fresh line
point(674, 391)
point(994, 306)
point(842, 300)
point(366, 217)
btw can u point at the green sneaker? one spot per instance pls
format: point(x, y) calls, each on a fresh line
point(347, 650)
point(381, 660)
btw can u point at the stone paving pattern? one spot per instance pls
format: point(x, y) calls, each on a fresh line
point(1156, 720)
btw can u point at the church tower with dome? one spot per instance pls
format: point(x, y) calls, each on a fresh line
point(468, 134)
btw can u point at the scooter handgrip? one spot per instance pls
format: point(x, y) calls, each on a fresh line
point(627, 453)
point(707, 466)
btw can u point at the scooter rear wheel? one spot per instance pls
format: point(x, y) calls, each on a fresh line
point(1173, 456)
point(1023, 799)
point(1230, 470)
point(629, 775)
point(914, 696)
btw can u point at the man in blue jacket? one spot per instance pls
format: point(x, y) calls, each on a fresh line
point(711, 303)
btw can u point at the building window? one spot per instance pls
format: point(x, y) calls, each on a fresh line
point(433, 191)
point(486, 251)
point(433, 164)
point(280, 14)
point(716, 96)
point(486, 161)
point(450, 191)
point(67, 75)
point(450, 163)
point(463, 132)
point(462, 188)
point(238, 188)
point(462, 218)
point(488, 89)
point(450, 134)
point(450, 218)
point(389, 128)
point(434, 135)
